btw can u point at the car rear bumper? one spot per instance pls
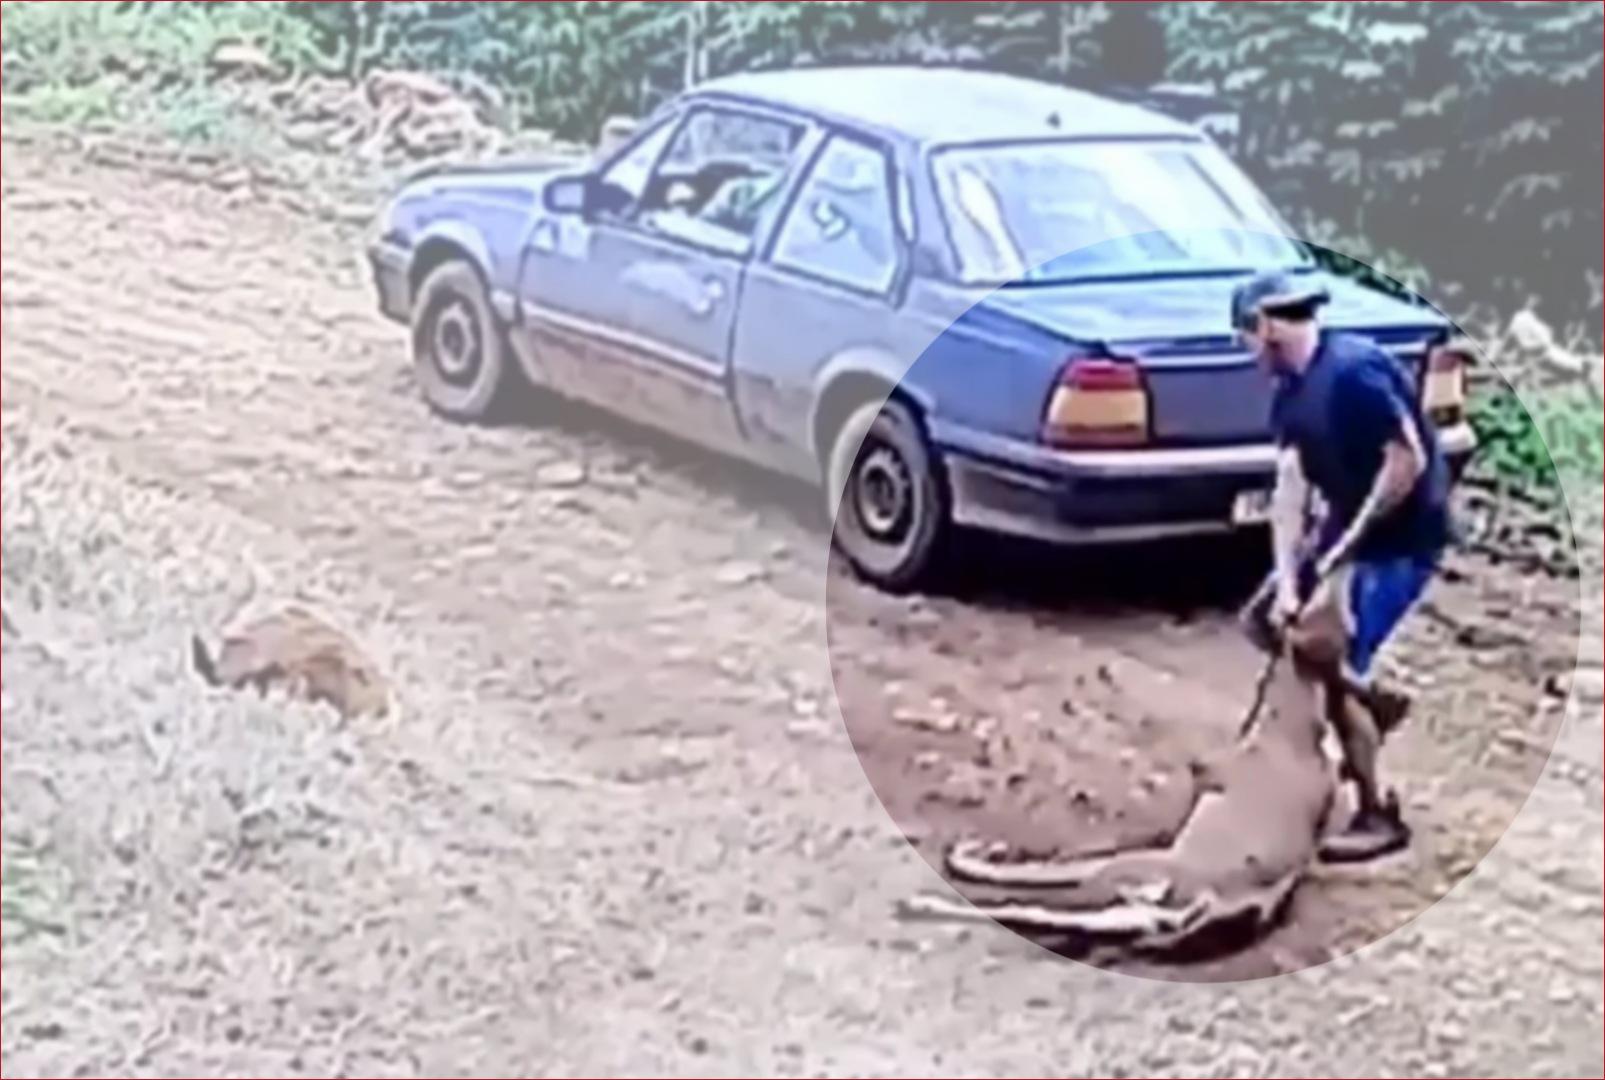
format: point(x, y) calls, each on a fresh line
point(387, 261)
point(1115, 496)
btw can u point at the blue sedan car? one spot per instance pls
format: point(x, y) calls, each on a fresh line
point(950, 298)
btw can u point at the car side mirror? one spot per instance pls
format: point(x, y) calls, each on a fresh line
point(568, 195)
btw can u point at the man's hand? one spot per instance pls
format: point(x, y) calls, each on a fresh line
point(1285, 607)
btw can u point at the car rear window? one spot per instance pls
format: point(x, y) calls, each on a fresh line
point(1057, 210)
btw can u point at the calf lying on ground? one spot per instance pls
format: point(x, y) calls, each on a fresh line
point(1247, 840)
point(297, 650)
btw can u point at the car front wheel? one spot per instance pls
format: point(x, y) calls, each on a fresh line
point(460, 353)
point(888, 497)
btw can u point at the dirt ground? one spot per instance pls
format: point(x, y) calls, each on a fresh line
point(618, 824)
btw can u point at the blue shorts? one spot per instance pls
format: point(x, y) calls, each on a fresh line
point(1381, 592)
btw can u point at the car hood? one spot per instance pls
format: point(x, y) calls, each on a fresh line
point(1187, 308)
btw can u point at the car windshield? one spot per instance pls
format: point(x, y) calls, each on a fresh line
point(1029, 213)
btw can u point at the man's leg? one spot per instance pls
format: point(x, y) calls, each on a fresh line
point(1380, 594)
point(1360, 740)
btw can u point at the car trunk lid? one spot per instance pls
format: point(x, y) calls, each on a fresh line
point(1204, 387)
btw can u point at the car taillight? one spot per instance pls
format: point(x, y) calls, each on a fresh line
point(1443, 386)
point(1097, 402)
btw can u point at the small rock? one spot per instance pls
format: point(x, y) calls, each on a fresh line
point(1451, 1031)
point(23, 295)
point(941, 724)
point(738, 573)
point(1561, 994)
point(232, 179)
point(1589, 685)
point(560, 474)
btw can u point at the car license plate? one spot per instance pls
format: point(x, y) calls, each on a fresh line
point(1251, 508)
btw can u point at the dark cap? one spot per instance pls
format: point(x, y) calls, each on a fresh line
point(1273, 292)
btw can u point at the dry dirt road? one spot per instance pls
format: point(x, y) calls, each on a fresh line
point(617, 824)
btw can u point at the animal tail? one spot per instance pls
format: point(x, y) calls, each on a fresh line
point(202, 660)
point(974, 860)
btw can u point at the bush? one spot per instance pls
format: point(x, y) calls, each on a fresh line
point(1538, 418)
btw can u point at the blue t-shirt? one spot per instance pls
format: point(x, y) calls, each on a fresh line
point(1339, 415)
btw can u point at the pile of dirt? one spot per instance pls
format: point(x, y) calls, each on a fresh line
point(388, 117)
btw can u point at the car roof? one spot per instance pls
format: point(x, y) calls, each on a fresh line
point(947, 105)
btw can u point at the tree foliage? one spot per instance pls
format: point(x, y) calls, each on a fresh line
point(1458, 143)
point(1468, 135)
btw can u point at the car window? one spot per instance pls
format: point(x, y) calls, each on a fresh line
point(720, 179)
point(1047, 211)
point(630, 173)
point(842, 228)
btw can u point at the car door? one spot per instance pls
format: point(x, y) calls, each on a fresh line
point(828, 290)
point(633, 308)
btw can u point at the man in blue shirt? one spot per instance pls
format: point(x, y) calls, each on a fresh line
point(1348, 427)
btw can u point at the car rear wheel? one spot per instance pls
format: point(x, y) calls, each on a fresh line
point(889, 498)
point(459, 350)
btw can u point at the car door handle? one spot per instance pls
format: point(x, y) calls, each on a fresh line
point(712, 292)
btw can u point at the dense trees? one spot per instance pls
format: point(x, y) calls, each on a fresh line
point(1458, 143)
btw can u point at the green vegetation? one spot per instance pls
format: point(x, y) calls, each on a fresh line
point(1550, 434)
point(1454, 149)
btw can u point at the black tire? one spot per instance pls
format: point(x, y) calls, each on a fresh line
point(460, 353)
point(888, 498)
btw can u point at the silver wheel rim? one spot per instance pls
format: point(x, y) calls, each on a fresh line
point(455, 343)
point(883, 495)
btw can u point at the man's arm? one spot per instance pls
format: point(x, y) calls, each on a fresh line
point(1289, 501)
point(1403, 462)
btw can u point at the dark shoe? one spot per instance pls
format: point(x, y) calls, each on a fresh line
point(1371, 834)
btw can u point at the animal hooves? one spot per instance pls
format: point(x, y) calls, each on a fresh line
point(935, 908)
point(974, 851)
point(970, 857)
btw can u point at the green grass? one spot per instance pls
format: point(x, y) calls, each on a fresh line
point(27, 895)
